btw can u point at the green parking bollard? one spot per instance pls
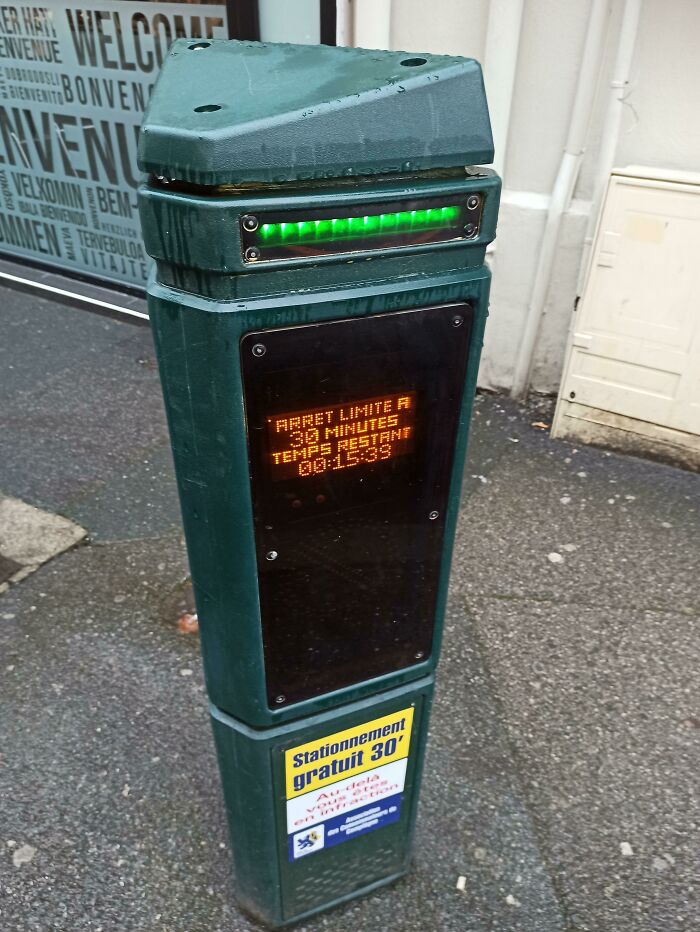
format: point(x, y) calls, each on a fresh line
point(318, 308)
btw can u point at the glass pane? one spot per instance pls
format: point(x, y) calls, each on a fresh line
point(74, 82)
point(351, 429)
point(282, 21)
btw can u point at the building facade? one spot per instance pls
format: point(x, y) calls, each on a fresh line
point(577, 88)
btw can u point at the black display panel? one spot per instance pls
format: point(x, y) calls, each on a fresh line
point(351, 433)
point(325, 231)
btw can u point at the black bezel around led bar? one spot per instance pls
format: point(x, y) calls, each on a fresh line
point(306, 234)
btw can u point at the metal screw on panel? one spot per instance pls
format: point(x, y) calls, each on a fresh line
point(271, 555)
point(252, 254)
point(259, 349)
point(572, 394)
point(473, 202)
point(433, 515)
point(419, 655)
point(249, 222)
point(280, 699)
point(470, 229)
point(457, 321)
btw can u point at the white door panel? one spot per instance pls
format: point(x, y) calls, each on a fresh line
point(636, 347)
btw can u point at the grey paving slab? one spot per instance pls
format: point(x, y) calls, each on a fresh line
point(30, 537)
point(563, 754)
point(109, 770)
point(592, 660)
point(602, 716)
point(110, 773)
point(139, 502)
point(624, 531)
point(84, 424)
point(8, 569)
point(41, 338)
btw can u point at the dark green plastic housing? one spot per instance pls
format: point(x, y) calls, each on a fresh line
point(292, 187)
point(270, 886)
point(197, 338)
point(206, 295)
point(239, 112)
point(196, 236)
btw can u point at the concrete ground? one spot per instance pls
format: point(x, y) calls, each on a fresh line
point(562, 767)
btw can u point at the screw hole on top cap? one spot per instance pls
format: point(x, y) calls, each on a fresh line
point(198, 45)
point(207, 108)
point(413, 62)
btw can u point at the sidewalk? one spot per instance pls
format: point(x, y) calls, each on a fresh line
point(563, 752)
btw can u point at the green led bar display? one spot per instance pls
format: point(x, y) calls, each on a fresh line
point(352, 228)
point(371, 227)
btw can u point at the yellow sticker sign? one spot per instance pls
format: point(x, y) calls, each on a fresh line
point(346, 753)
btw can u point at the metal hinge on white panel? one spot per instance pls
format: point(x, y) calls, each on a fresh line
point(608, 249)
point(582, 340)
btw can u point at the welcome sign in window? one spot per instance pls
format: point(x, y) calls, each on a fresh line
point(74, 82)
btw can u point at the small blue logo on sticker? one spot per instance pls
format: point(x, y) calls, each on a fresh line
point(309, 840)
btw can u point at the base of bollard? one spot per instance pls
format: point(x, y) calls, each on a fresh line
point(324, 908)
point(322, 810)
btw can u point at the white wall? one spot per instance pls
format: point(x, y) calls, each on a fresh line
point(662, 123)
point(661, 127)
point(443, 27)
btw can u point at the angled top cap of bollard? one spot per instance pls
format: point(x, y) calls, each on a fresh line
point(230, 112)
